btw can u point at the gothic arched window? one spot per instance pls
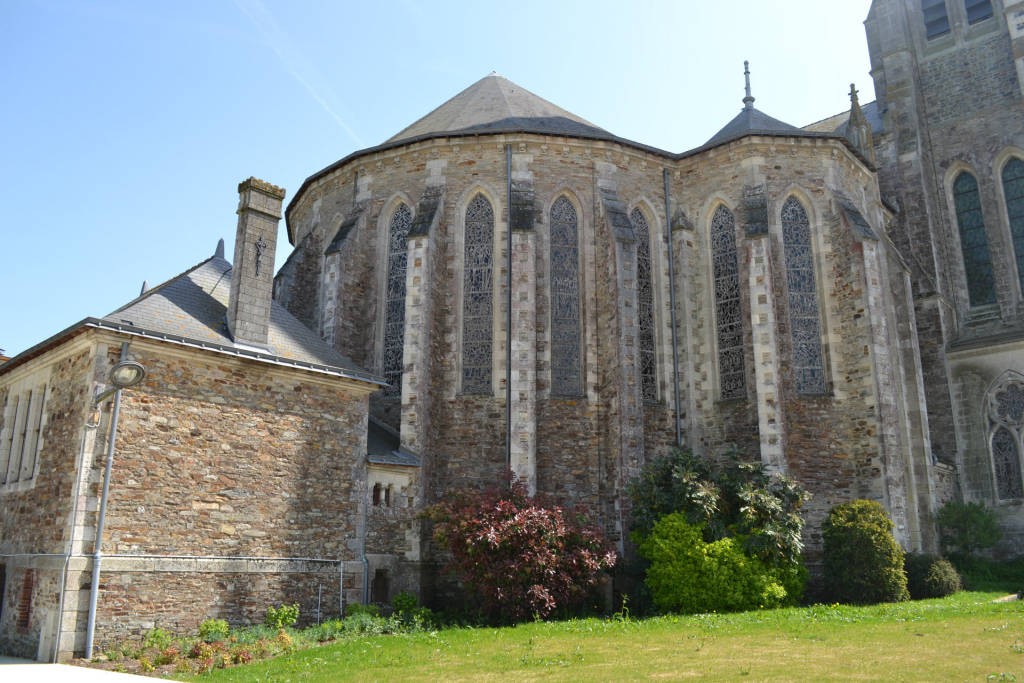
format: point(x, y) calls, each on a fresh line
point(645, 307)
point(981, 288)
point(1013, 191)
point(805, 328)
point(1006, 420)
point(394, 303)
point(565, 300)
point(732, 375)
point(477, 296)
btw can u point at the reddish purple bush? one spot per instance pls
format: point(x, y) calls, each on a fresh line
point(521, 559)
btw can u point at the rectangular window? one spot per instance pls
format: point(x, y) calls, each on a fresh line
point(977, 10)
point(936, 19)
point(21, 433)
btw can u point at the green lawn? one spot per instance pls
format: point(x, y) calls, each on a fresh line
point(966, 637)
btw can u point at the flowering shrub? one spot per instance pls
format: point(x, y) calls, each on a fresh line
point(522, 559)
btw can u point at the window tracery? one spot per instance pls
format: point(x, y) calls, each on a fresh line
point(805, 327)
point(645, 307)
point(394, 302)
point(1013, 191)
point(477, 296)
point(981, 288)
point(1006, 443)
point(728, 314)
point(565, 300)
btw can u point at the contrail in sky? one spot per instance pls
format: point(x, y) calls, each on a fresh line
point(291, 58)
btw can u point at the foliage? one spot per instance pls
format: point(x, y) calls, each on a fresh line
point(979, 573)
point(930, 577)
point(355, 608)
point(863, 562)
point(406, 608)
point(280, 617)
point(966, 528)
point(214, 630)
point(157, 638)
point(729, 498)
point(690, 575)
point(522, 559)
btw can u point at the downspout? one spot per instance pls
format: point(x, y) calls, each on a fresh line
point(97, 556)
point(508, 310)
point(672, 310)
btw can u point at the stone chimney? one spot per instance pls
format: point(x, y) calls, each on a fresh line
point(252, 273)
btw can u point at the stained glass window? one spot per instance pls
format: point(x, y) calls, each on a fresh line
point(394, 303)
point(981, 288)
point(1006, 417)
point(728, 314)
point(807, 363)
point(1013, 190)
point(565, 300)
point(645, 306)
point(1006, 459)
point(477, 297)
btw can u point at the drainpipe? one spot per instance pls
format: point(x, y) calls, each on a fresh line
point(508, 311)
point(672, 310)
point(97, 556)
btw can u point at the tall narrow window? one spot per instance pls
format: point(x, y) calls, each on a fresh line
point(981, 288)
point(394, 314)
point(645, 307)
point(728, 315)
point(478, 297)
point(565, 300)
point(805, 327)
point(1013, 190)
point(977, 10)
point(1006, 420)
point(936, 19)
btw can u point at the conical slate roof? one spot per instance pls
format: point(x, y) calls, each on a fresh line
point(749, 121)
point(495, 104)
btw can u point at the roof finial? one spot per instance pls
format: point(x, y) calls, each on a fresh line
point(853, 95)
point(219, 252)
point(748, 101)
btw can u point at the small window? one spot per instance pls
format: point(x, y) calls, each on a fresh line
point(977, 10)
point(936, 19)
point(25, 604)
point(376, 494)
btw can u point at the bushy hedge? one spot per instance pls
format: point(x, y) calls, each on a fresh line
point(930, 577)
point(689, 575)
point(863, 562)
point(966, 528)
point(520, 558)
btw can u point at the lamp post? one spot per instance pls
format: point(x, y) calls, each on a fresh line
point(124, 374)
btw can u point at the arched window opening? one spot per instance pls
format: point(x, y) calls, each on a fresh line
point(804, 322)
point(1006, 420)
point(377, 494)
point(1013, 191)
point(732, 375)
point(645, 307)
point(981, 288)
point(936, 19)
point(394, 315)
point(565, 300)
point(477, 297)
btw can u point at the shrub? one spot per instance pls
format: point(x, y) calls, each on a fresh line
point(863, 562)
point(157, 638)
point(522, 559)
point(690, 575)
point(355, 608)
point(280, 617)
point(214, 630)
point(966, 528)
point(930, 577)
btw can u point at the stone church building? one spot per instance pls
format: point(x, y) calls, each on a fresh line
point(503, 285)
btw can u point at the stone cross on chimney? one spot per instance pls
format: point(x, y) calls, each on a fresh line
point(252, 273)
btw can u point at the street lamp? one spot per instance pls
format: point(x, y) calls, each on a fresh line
point(126, 373)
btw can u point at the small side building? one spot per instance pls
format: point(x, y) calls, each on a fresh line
point(238, 467)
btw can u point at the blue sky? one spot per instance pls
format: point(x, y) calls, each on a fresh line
point(128, 125)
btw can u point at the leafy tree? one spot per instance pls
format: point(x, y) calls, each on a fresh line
point(522, 559)
point(863, 562)
point(966, 528)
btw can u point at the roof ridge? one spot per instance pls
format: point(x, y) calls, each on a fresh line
point(153, 290)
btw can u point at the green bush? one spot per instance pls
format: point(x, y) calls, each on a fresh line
point(966, 528)
point(158, 639)
point(863, 562)
point(930, 577)
point(280, 617)
point(214, 631)
point(690, 575)
point(354, 608)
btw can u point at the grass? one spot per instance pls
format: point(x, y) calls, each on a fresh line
point(965, 637)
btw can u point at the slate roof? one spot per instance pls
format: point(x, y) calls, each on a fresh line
point(750, 121)
point(193, 306)
point(383, 447)
point(837, 124)
point(495, 104)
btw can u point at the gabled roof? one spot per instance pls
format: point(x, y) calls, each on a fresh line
point(495, 104)
point(837, 124)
